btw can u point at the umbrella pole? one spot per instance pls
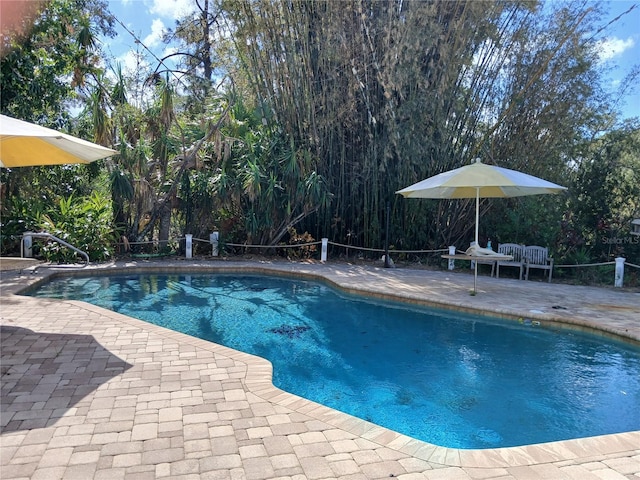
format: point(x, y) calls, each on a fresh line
point(475, 264)
point(475, 277)
point(477, 212)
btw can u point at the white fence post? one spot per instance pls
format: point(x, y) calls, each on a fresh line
point(26, 246)
point(323, 251)
point(452, 262)
point(213, 238)
point(619, 271)
point(189, 246)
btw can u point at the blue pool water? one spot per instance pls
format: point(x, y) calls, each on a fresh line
point(450, 379)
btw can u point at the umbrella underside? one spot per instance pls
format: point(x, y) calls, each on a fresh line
point(24, 144)
point(28, 151)
point(482, 192)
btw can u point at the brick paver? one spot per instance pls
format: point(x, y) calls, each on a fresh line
point(92, 394)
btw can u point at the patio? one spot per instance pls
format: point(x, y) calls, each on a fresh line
point(92, 394)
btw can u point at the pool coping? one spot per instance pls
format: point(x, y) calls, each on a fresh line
point(295, 270)
point(259, 370)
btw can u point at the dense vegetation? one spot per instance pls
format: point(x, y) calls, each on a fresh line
point(287, 116)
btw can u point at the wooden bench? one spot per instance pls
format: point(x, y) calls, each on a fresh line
point(514, 250)
point(537, 257)
point(523, 257)
point(513, 255)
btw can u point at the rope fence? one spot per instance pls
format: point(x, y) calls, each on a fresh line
point(619, 263)
point(335, 244)
point(585, 265)
point(380, 250)
point(215, 242)
point(297, 245)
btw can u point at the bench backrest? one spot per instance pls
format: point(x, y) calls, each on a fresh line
point(536, 255)
point(513, 249)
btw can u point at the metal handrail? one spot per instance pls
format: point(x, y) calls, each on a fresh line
point(52, 237)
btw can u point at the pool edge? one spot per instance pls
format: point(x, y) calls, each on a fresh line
point(258, 381)
point(294, 270)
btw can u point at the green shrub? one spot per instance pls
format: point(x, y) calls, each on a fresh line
point(83, 222)
point(18, 216)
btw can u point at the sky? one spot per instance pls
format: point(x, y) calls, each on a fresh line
point(147, 19)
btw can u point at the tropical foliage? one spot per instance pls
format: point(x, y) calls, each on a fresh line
point(606, 198)
point(287, 116)
point(84, 222)
point(388, 93)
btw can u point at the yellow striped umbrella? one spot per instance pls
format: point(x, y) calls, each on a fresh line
point(480, 180)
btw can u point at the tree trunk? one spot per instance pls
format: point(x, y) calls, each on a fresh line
point(164, 227)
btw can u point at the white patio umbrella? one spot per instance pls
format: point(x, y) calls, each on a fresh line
point(24, 144)
point(480, 180)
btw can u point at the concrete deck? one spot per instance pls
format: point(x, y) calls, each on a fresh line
point(91, 394)
point(17, 263)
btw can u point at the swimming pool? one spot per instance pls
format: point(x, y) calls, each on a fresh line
point(452, 380)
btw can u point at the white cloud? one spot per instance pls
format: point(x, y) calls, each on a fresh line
point(132, 61)
point(613, 47)
point(173, 9)
point(155, 37)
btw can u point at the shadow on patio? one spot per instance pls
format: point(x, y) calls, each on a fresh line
point(44, 375)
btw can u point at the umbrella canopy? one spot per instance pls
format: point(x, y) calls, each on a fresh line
point(487, 180)
point(480, 180)
point(24, 144)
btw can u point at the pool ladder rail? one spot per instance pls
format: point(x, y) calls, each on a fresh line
point(27, 236)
